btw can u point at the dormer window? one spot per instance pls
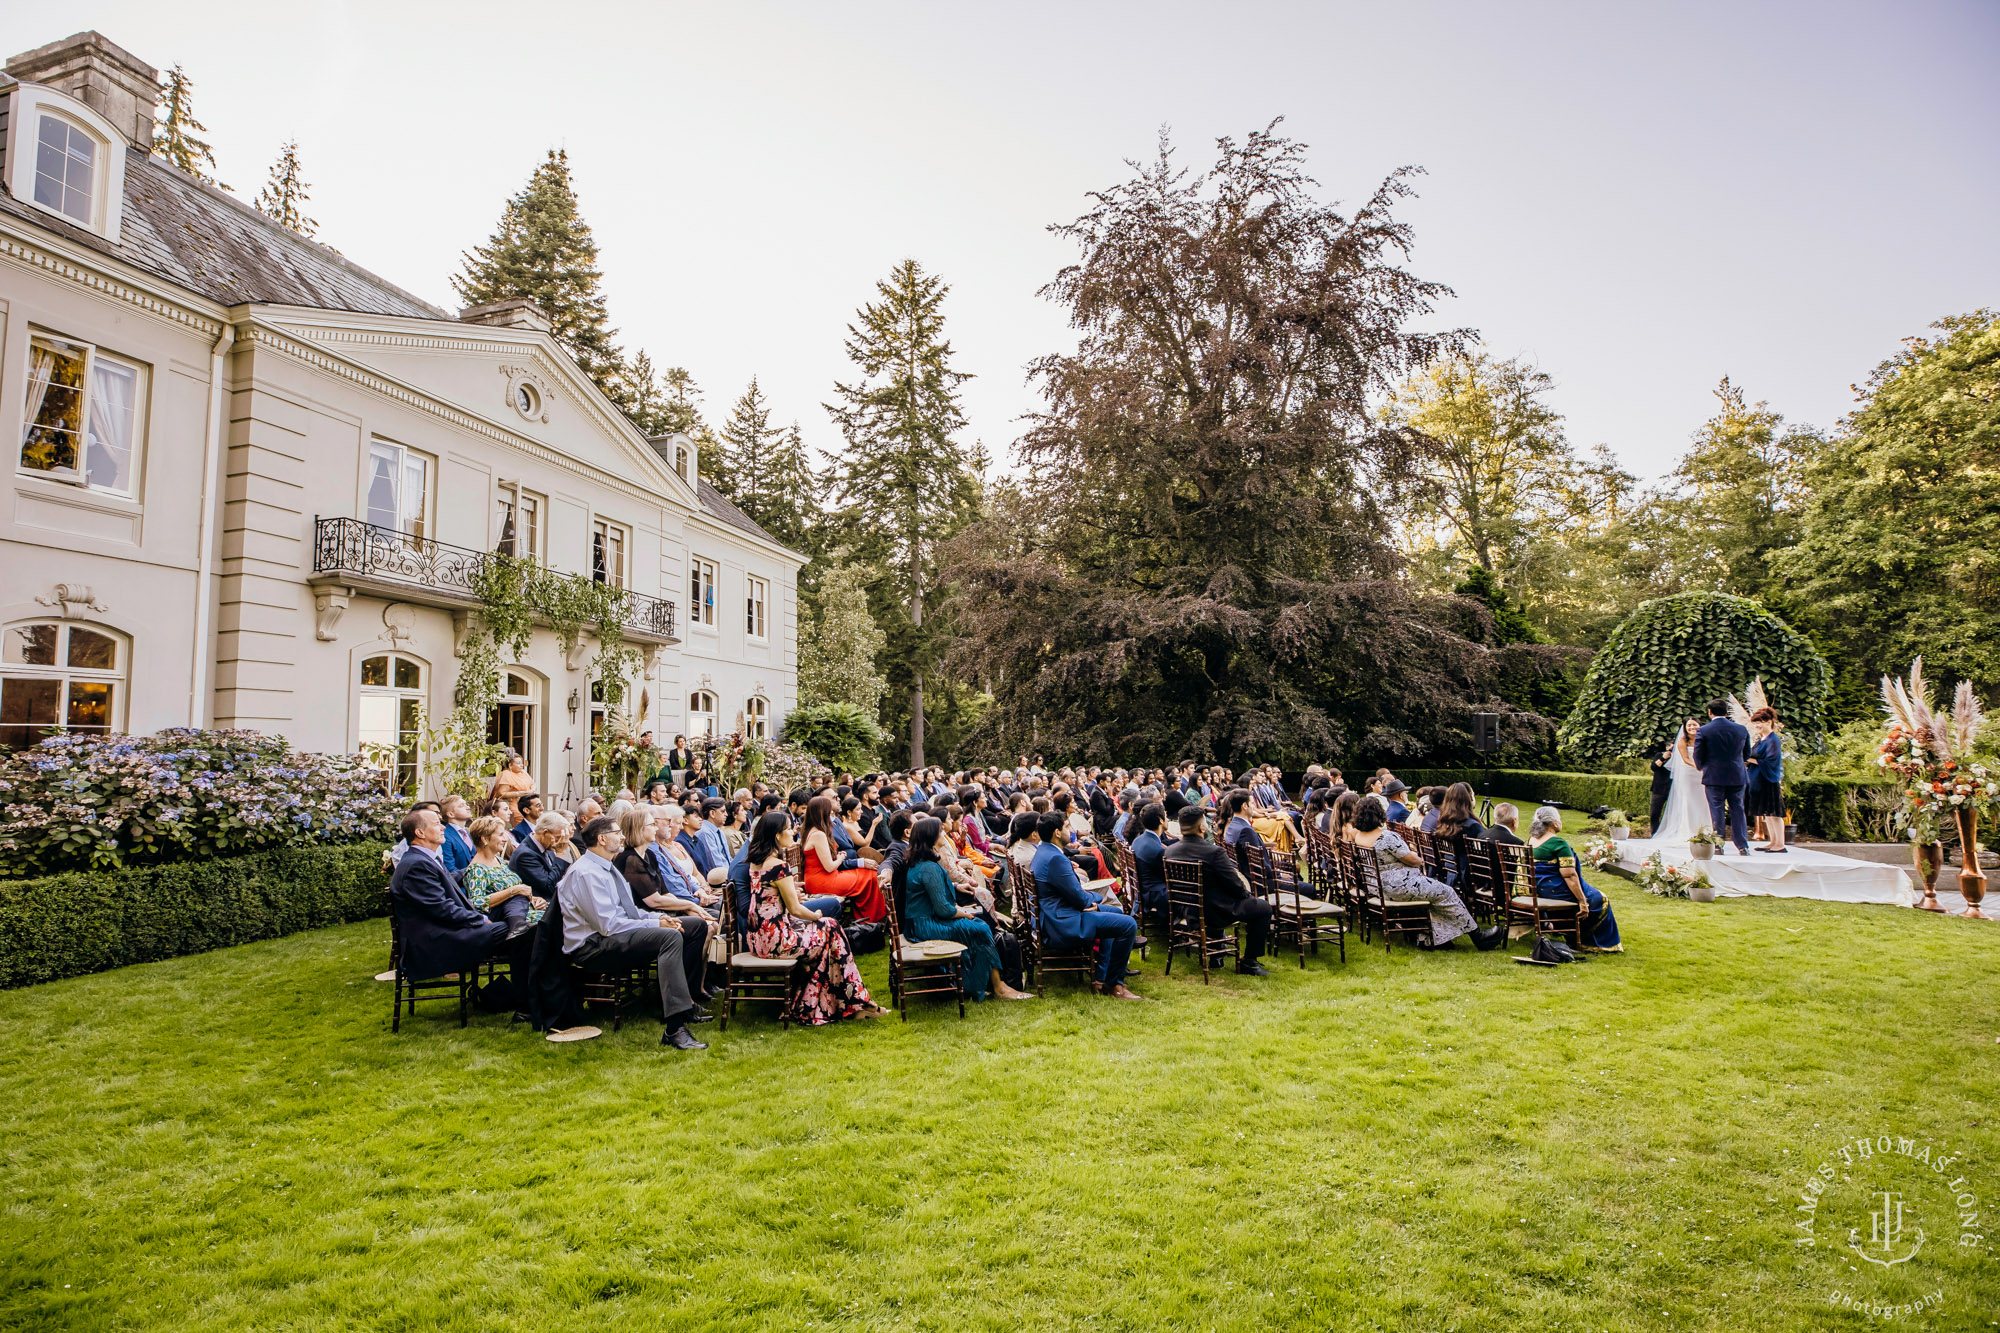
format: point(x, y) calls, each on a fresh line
point(65, 168)
point(65, 159)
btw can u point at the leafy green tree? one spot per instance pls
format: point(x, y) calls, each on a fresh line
point(1673, 656)
point(904, 483)
point(1899, 541)
point(177, 134)
point(284, 195)
point(841, 736)
point(1488, 455)
point(1735, 497)
point(839, 640)
point(543, 251)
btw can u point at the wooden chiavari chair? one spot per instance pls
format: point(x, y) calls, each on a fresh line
point(1187, 920)
point(1561, 917)
point(1295, 916)
point(1393, 916)
point(936, 967)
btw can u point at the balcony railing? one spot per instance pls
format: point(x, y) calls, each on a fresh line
point(368, 552)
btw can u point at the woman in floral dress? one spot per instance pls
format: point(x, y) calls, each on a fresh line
point(780, 926)
point(1403, 877)
point(492, 887)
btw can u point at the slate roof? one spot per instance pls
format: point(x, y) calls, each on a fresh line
point(212, 243)
point(713, 501)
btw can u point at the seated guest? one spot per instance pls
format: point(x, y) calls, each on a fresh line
point(457, 848)
point(395, 853)
point(714, 814)
point(530, 810)
point(1506, 824)
point(1226, 894)
point(932, 912)
point(830, 871)
point(604, 932)
point(1149, 858)
point(1558, 874)
point(698, 852)
point(1268, 792)
point(492, 887)
point(1239, 834)
point(1340, 816)
point(543, 858)
point(656, 792)
point(644, 873)
point(1455, 820)
point(590, 809)
point(778, 925)
point(441, 933)
point(1393, 792)
point(1403, 877)
point(1074, 917)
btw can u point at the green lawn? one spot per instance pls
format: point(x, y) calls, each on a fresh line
point(236, 1141)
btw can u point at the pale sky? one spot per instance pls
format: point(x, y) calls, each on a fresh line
point(1639, 199)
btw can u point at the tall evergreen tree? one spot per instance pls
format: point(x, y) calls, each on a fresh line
point(764, 471)
point(543, 251)
point(177, 137)
point(905, 485)
point(839, 641)
point(285, 193)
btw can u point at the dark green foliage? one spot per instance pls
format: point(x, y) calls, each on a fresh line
point(839, 735)
point(763, 470)
point(1675, 654)
point(1897, 555)
point(92, 920)
point(543, 251)
point(1510, 618)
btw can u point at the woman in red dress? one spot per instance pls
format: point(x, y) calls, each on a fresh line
point(833, 869)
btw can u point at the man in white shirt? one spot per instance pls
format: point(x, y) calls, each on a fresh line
point(605, 931)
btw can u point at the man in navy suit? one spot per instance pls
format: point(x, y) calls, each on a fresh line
point(1721, 750)
point(441, 933)
point(1072, 916)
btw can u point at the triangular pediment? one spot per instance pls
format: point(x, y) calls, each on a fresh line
point(483, 371)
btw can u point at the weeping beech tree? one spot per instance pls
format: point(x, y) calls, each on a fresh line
point(1197, 563)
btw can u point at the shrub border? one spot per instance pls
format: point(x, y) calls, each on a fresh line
point(1827, 808)
point(83, 921)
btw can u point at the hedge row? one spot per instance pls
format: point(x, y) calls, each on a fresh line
point(83, 921)
point(1837, 811)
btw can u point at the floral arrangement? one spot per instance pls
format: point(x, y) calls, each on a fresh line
point(96, 801)
point(788, 767)
point(1599, 854)
point(1705, 837)
point(1931, 755)
point(617, 760)
point(1668, 881)
point(735, 763)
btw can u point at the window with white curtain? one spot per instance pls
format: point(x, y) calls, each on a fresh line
point(399, 485)
point(83, 414)
point(754, 605)
point(757, 719)
point(701, 591)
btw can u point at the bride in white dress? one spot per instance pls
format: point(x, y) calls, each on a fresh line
point(1687, 804)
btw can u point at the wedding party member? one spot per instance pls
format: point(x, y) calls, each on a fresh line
point(1558, 875)
point(1403, 877)
point(603, 931)
point(441, 933)
point(1663, 787)
point(931, 911)
point(1722, 752)
point(1226, 895)
point(1764, 797)
point(1073, 916)
point(780, 926)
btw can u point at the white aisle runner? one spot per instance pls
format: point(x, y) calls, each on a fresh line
point(1799, 873)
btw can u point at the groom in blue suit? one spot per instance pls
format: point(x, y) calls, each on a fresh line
point(1721, 750)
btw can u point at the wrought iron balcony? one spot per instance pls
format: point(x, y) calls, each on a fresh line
point(420, 569)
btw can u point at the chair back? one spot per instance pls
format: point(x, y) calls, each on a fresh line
point(1479, 875)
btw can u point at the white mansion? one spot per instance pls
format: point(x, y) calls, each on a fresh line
point(252, 477)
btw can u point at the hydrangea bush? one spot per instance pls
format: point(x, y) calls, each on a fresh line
point(77, 801)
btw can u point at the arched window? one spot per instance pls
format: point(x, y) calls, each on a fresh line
point(65, 158)
point(757, 719)
point(701, 715)
point(59, 676)
point(391, 709)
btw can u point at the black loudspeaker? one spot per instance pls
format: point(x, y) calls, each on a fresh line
point(1486, 732)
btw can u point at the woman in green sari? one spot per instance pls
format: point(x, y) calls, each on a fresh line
point(1559, 874)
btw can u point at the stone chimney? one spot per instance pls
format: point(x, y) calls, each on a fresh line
point(108, 79)
point(516, 312)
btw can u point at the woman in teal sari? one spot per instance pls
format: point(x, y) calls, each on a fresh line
point(930, 911)
point(1559, 874)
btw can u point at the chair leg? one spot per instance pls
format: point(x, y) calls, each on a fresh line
point(396, 1008)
